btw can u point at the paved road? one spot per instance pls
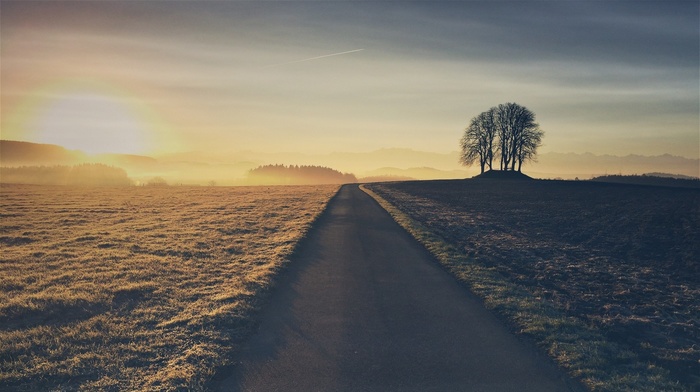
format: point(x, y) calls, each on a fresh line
point(365, 308)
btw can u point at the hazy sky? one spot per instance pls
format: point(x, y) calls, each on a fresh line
point(607, 77)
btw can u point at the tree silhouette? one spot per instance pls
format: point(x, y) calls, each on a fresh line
point(157, 181)
point(510, 129)
point(477, 142)
point(298, 175)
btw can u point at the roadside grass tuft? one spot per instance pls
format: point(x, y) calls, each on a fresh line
point(579, 348)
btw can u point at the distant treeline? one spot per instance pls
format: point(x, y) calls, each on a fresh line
point(297, 175)
point(657, 179)
point(83, 174)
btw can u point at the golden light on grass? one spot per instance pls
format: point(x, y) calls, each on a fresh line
point(137, 288)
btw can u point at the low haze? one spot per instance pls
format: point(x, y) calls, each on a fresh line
point(221, 195)
point(158, 78)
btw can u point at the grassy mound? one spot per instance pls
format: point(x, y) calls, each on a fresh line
point(503, 175)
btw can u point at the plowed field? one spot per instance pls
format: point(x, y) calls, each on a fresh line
point(622, 259)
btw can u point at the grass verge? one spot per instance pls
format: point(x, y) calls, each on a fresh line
point(581, 350)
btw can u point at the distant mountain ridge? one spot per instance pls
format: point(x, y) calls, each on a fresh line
point(592, 165)
point(418, 173)
point(232, 168)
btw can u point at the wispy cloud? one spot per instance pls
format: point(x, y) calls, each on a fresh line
point(600, 76)
point(315, 58)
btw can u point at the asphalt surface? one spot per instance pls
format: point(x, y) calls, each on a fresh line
point(363, 307)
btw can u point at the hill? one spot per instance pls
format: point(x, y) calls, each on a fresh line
point(14, 153)
point(503, 175)
point(128, 160)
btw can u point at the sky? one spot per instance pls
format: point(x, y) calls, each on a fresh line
point(152, 77)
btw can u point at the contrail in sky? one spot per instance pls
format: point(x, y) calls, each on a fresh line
point(315, 58)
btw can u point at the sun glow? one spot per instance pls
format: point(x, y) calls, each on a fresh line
point(90, 115)
point(91, 121)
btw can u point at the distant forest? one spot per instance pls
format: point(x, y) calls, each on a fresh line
point(297, 175)
point(83, 174)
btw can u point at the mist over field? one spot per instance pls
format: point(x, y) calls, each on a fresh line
point(197, 168)
point(162, 161)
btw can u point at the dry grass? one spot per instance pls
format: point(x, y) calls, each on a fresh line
point(603, 277)
point(137, 288)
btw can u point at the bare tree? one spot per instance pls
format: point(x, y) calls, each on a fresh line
point(477, 141)
point(529, 142)
point(505, 124)
point(487, 122)
point(526, 135)
point(508, 127)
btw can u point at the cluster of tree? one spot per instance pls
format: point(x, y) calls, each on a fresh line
point(507, 131)
point(156, 181)
point(83, 174)
point(297, 175)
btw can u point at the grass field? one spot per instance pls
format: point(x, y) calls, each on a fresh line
point(137, 288)
point(602, 276)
